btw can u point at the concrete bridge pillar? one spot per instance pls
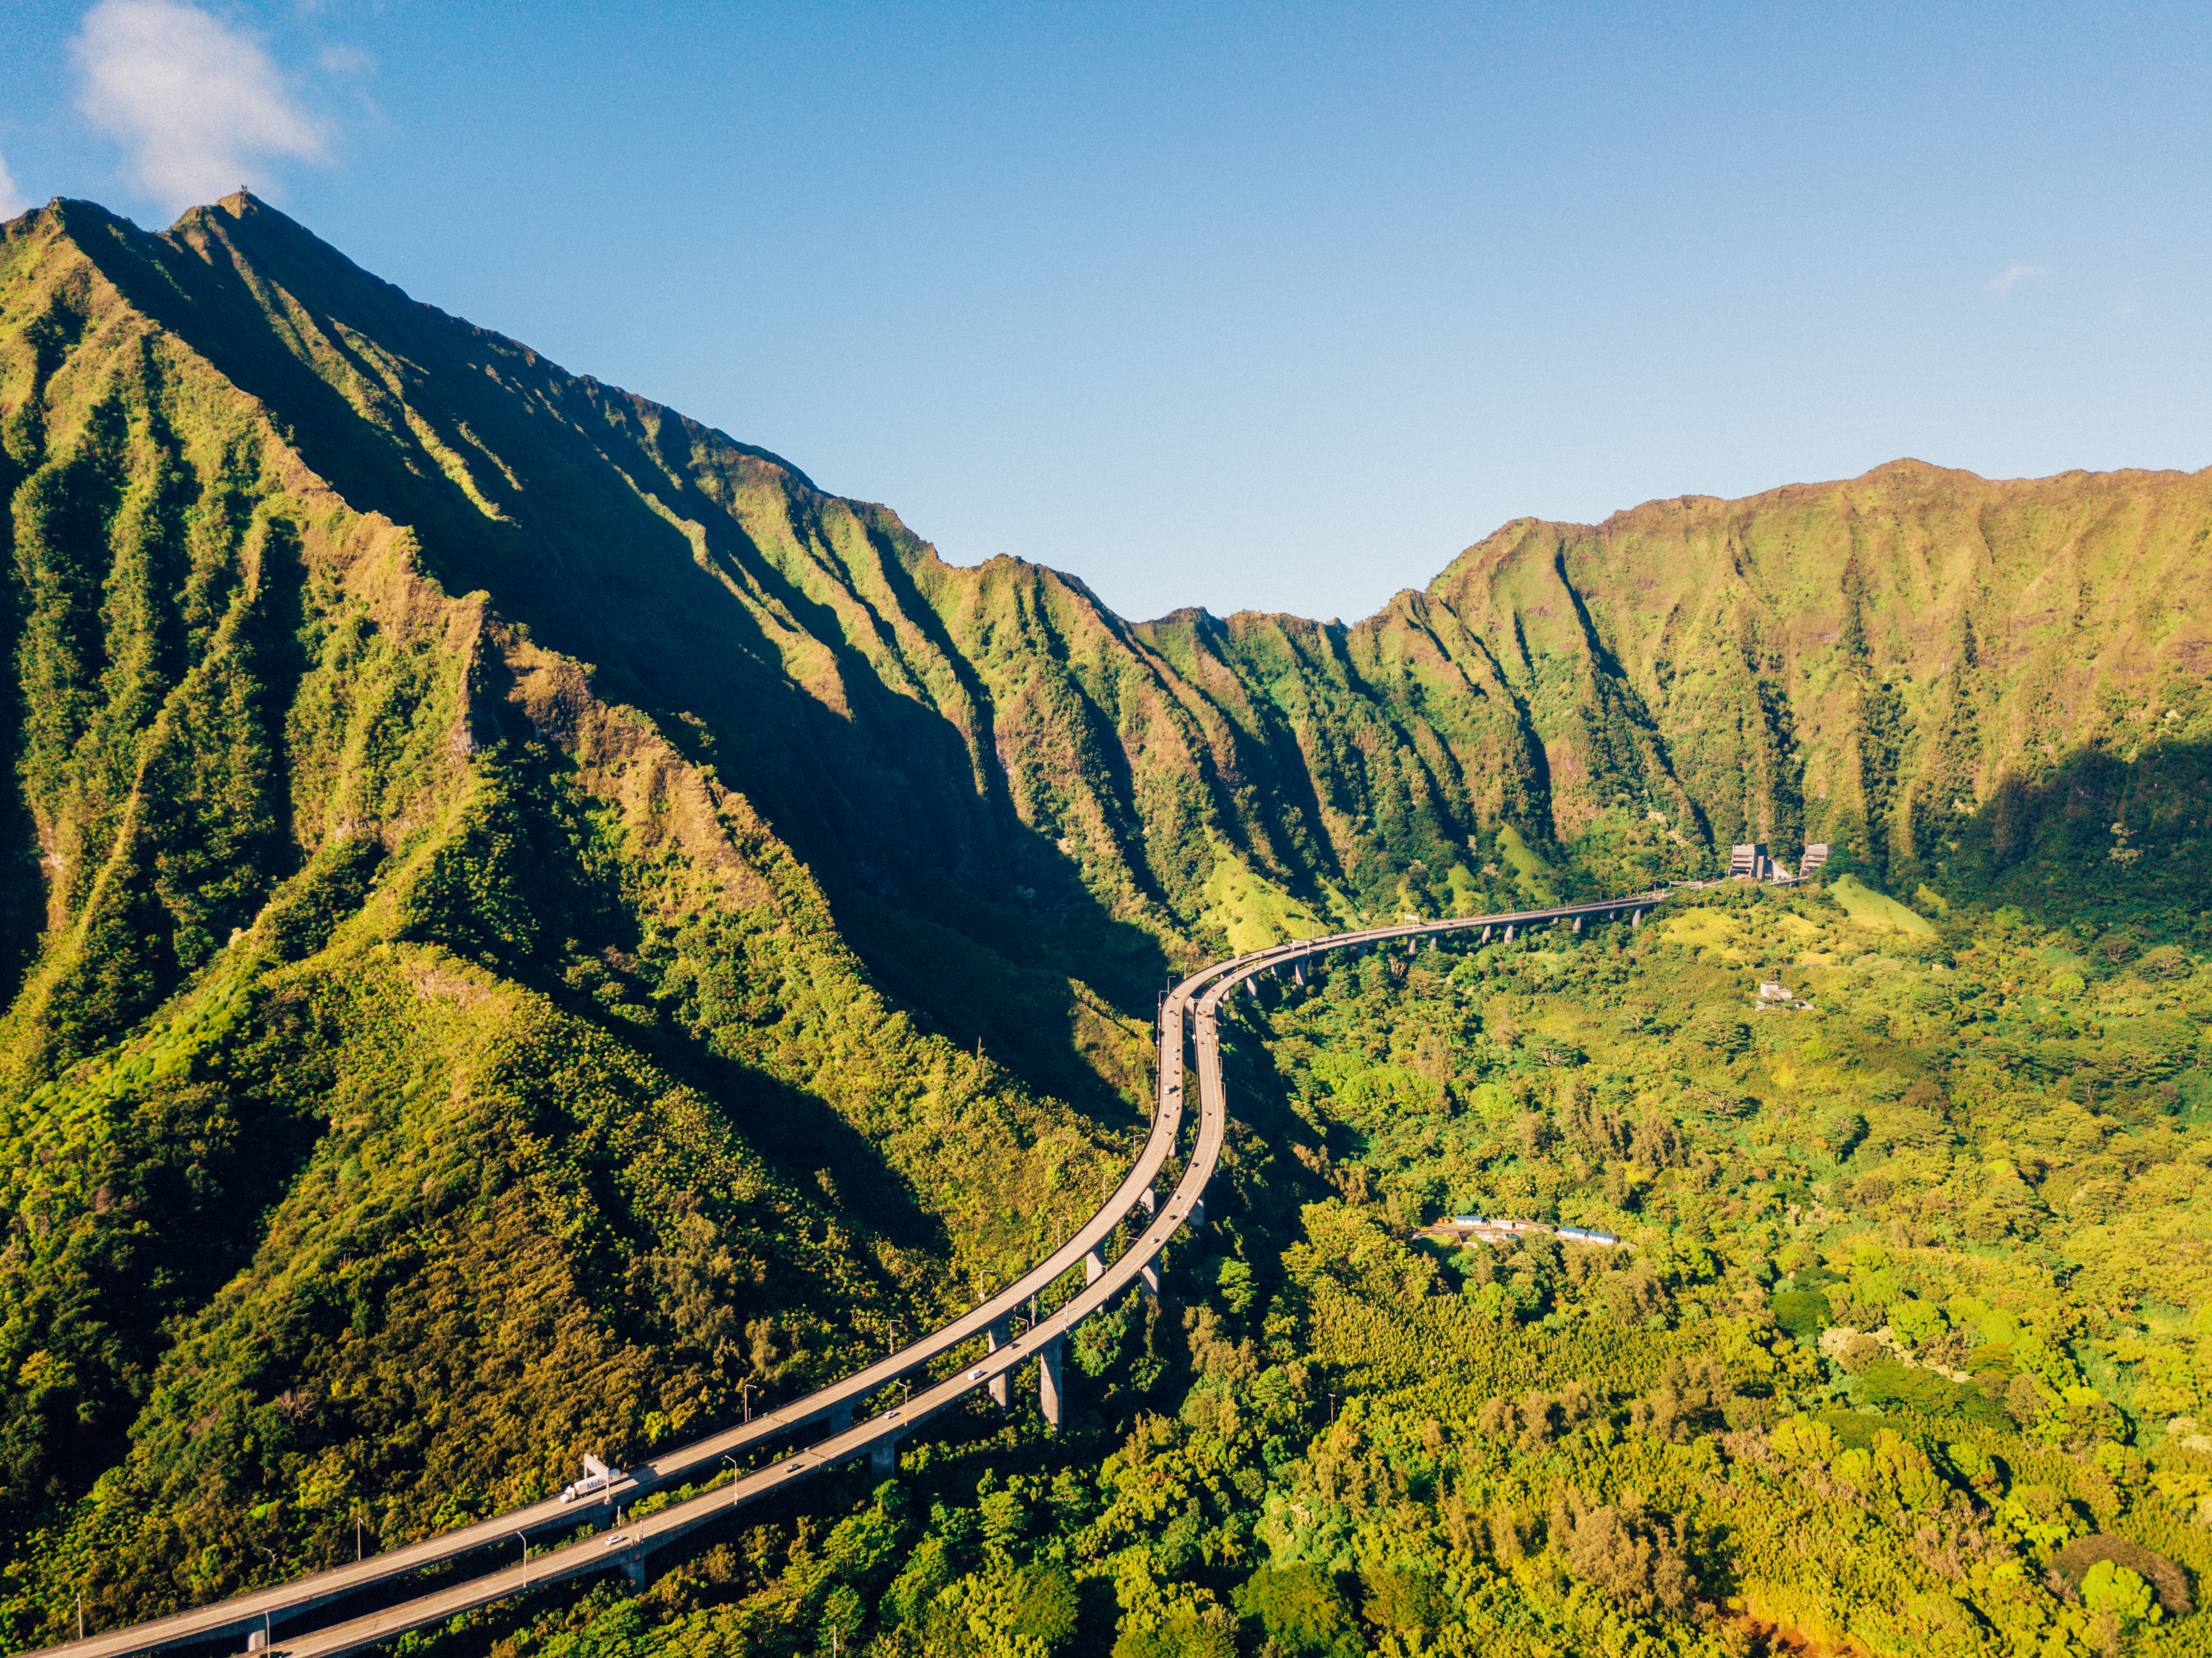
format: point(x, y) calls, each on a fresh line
point(1093, 1268)
point(633, 1567)
point(1486, 935)
point(1578, 925)
point(1509, 932)
point(1198, 1211)
point(1636, 918)
point(1298, 973)
point(882, 1456)
point(1149, 1274)
point(1002, 1385)
point(1412, 943)
point(839, 1419)
point(1151, 1200)
point(1048, 1399)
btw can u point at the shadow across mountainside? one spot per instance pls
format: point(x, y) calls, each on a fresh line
point(771, 633)
point(2100, 838)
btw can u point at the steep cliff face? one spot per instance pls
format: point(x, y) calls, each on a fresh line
point(990, 749)
point(421, 1066)
point(532, 922)
point(1862, 662)
point(1891, 665)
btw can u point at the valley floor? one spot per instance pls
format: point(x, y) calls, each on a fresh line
point(1905, 1356)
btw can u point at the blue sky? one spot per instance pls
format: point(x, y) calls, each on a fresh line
point(1272, 306)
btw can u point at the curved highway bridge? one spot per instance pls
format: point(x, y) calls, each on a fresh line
point(1190, 1014)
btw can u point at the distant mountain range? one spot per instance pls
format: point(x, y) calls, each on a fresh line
point(512, 881)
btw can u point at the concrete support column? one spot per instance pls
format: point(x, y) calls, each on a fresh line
point(882, 1456)
point(1148, 1274)
point(1486, 935)
point(1198, 1211)
point(1578, 924)
point(1298, 973)
point(1151, 1200)
point(1509, 932)
point(1048, 1399)
point(839, 1418)
point(1093, 1268)
point(1412, 943)
point(1636, 918)
point(1002, 1385)
point(633, 1568)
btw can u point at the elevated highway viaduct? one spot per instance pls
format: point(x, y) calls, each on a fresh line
point(1188, 1034)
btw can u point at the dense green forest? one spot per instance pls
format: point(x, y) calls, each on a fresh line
point(1906, 1353)
point(535, 930)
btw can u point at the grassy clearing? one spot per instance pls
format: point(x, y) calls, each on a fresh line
point(1867, 908)
point(1530, 877)
point(1252, 910)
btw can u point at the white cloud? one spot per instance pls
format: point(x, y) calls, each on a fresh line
point(195, 101)
point(2014, 276)
point(11, 202)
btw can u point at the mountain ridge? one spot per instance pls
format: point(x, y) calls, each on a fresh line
point(520, 874)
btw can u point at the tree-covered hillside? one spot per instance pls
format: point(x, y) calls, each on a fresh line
point(1904, 1350)
point(418, 1069)
point(535, 928)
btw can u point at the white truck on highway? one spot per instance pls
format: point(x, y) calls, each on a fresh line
point(597, 1476)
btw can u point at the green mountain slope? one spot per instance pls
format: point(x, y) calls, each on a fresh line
point(1865, 663)
point(535, 923)
point(1853, 662)
point(419, 1070)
